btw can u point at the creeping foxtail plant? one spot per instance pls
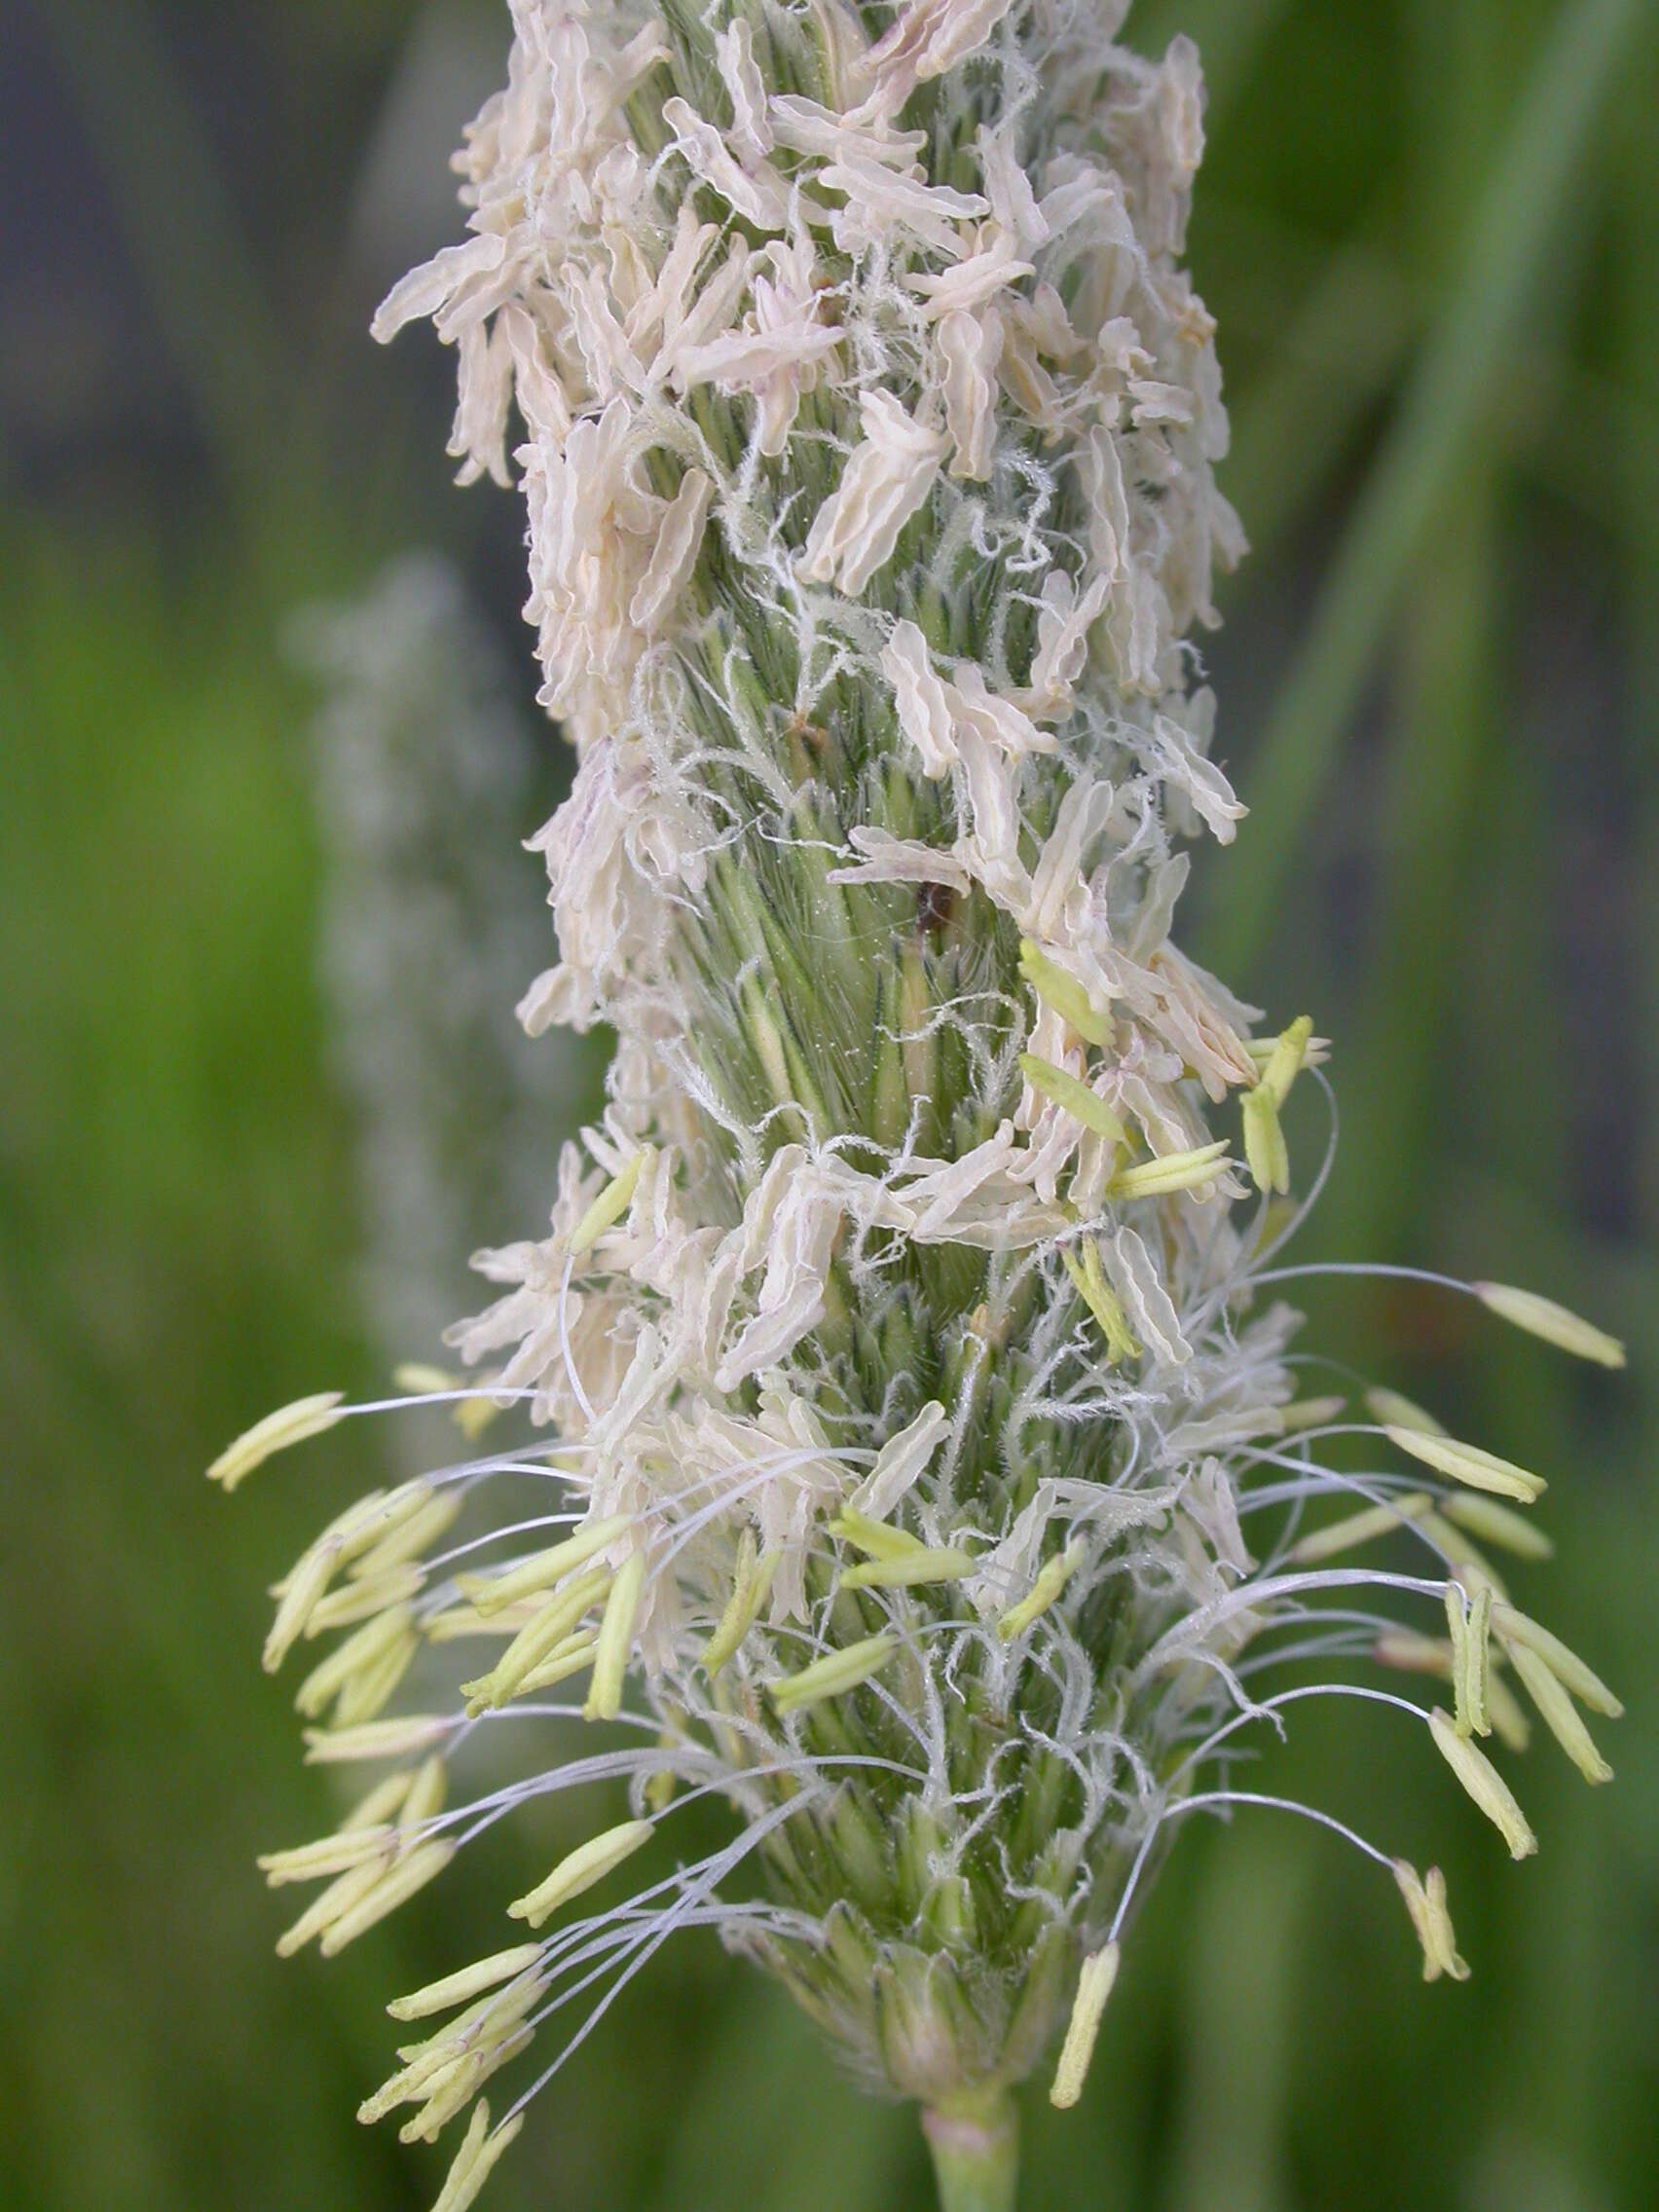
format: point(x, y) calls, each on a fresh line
point(921, 1473)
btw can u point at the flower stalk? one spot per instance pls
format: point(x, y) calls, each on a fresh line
point(975, 2145)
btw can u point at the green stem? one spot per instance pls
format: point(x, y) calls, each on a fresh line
point(974, 2141)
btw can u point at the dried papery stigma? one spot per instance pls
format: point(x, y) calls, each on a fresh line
point(903, 1450)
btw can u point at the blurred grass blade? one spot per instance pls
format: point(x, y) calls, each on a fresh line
point(1511, 226)
point(179, 226)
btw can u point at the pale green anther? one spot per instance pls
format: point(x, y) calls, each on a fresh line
point(355, 1655)
point(288, 1425)
point(380, 1803)
point(294, 1609)
point(1101, 1299)
point(566, 1658)
point(1469, 1463)
point(1051, 1578)
point(610, 1206)
point(1471, 1567)
point(1362, 1527)
point(329, 1855)
point(1310, 1413)
point(413, 1539)
point(1417, 1654)
point(423, 1380)
point(395, 1886)
point(474, 2160)
point(1265, 1154)
point(1469, 1620)
point(751, 1586)
point(352, 1602)
point(1093, 1987)
point(339, 1897)
point(836, 1673)
point(1072, 1096)
point(1425, 1902)
point(454, 1622)
point(367, 1530)
point(462, 1987)
point(1285, 1060)
point(580, 1870)
point(1171, 1171)
point(1432, 1655)
point(1390, 1410)
point(1456, 1620)
point(1556, 1324)
point(425, 1798)
point(1558, 1713)
point(376, 1740)
point(1064, 994)
point(1483, 1517)
point(1485, 1784)
point(947, 1564)
point(491, 1593)
point(603, 1700)
point(486, 2021)
point(1514, 1629)
point(367, 1692)
point(537, 1640)
point(880, 1539)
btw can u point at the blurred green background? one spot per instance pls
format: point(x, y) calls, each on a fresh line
point(1430, 234)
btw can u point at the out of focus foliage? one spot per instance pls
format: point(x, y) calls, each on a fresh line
point(1431, 238)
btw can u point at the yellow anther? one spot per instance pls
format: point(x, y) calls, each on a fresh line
point(948, 1563)
point(478, 2153)
point(751, 1586)
point(1469, 1620)
point(407, 1874)
point(610, 1206)
point(288, 1425)
point(1514, 1629)
point(1051, 1578)
point(615, 1640)
point(1425, 1902)
point(879, 1539)
point(330, 1855)
point(1558, 1713)
point(1072, 1095)
point(1266, 1152)
point(1498, 1525)
point(1484, 1784)
point(462, 1987)
point(376, 1740)
point(490, 1592)
point(1171, 1171)
point(1363, 1527)
point(1554, 1324)
point(1284, 1063)
point(1064, 994)
point(1469, 1463)
point(1101, 1299)
point(1093, 1987)
point(836, 1673)
point(580, 1870)
point(1390, 1410)
point(1310, 1413)
point(566, 1659)
point(535, 1642)
point(423, 1380)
